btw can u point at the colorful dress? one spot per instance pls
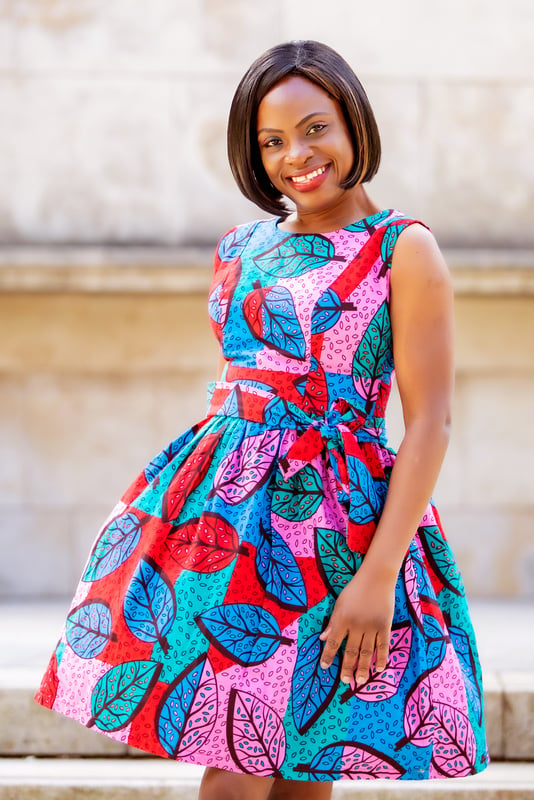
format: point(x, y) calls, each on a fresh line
point(194, 632)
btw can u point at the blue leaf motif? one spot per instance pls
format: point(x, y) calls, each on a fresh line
point(149, 604)
point(436, 641)
point(232, 244)
point(328, 310)
point(462, 646)
point(278, 572)
point(246, 633)
point(116, 543)
point(313, 687)
point(277, 414)
point(188, 710)
point(164, 457)
point(366, 495)
point(214, 306)
point(88, 629)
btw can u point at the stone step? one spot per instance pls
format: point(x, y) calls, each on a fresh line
point(117, 779)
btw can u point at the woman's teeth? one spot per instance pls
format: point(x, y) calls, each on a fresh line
point(309, 177)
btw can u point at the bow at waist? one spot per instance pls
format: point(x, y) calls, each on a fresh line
point(344, 433)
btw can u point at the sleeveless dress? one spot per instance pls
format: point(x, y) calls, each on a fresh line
point(194, 632)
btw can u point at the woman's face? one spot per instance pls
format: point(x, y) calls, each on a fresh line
point(305, 145)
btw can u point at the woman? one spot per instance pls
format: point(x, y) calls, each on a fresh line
point(274, 597)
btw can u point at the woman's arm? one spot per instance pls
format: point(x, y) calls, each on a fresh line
point(422, 324)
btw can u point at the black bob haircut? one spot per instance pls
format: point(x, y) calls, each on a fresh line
point(320, 64)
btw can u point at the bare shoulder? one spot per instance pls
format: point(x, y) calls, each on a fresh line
point(417, 258)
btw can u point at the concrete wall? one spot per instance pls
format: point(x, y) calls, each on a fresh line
point(113, 133)
point(113, 115)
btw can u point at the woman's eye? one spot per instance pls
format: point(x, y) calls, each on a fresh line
point(317, 127)
point(273, 142)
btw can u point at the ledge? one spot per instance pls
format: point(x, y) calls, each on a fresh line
point(187, 270)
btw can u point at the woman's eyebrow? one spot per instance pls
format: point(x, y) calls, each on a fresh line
point(298, 125)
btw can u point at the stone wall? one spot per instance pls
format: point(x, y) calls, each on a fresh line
point(113, 116)
point(113, 133)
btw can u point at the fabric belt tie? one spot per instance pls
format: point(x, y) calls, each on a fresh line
point(344, 433)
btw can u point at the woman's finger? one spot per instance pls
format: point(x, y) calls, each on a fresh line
point(352, 652)
point(332, 644)
point(367, 649)
point(382, 650)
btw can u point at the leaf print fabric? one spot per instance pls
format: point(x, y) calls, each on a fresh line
point(195, 631)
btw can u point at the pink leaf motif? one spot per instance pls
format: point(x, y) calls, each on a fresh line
point(412, 591)
point(256, 735)
point(244, 470)
point(455, 748)
point(351, 761)
point(419, 720)
point(386, 684)
point(202, 714)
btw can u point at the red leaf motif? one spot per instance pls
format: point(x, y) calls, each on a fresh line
point(244, 470)
point(455, 747)
point(256, 735)
point(47, 691)
point(419, 719)
point(188, 477)
point(205, 544)
point(386, 684)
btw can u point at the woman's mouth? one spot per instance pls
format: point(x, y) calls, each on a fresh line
point(308, 181)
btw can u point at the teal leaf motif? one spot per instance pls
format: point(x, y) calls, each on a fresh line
point(372, 356)
point(121, 693)
point(441, 559)
point(299, 497)
point(337, 562)
point(296, 255)
point(369, 224)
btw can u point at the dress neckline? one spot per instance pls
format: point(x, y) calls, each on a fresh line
point(359, 224)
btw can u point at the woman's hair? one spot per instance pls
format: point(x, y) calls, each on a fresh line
point(321, 65)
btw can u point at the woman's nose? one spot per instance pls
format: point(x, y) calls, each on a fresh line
point(298, 151)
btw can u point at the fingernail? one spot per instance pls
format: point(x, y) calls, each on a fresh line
point(323, 665)
point(345, 679)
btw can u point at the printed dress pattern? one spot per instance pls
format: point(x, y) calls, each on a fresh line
point(194, 632)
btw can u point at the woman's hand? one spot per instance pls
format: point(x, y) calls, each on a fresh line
point(362, 615)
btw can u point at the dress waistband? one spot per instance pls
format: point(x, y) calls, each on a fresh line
point(255, 404)
point(342, 432)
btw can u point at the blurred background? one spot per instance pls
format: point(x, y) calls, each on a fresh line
point(114, 188)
